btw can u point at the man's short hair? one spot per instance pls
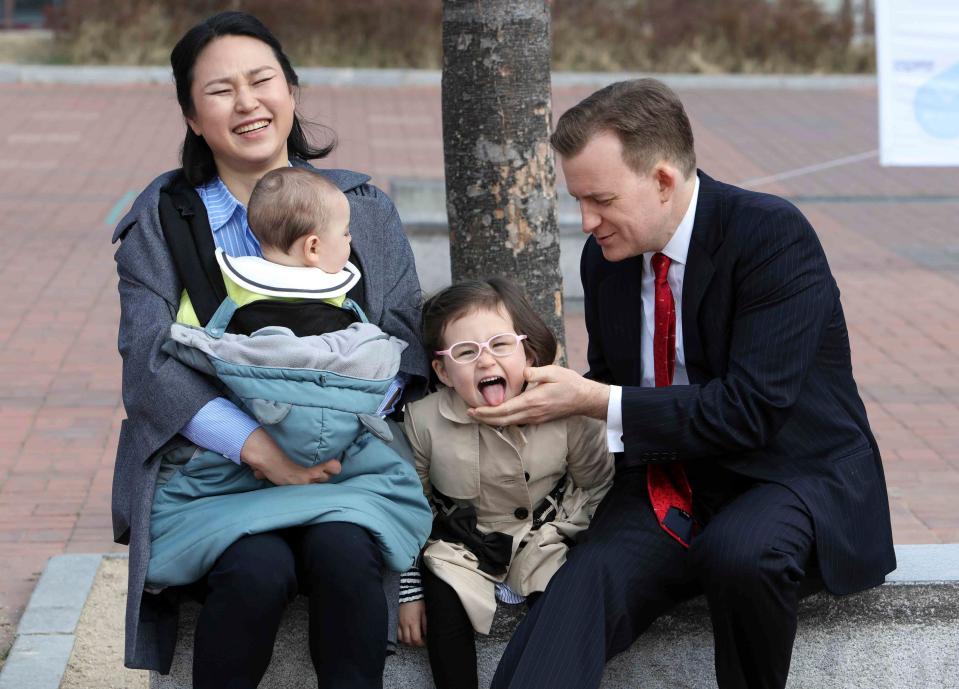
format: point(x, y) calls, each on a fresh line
point(289, 203)
point(645, 114)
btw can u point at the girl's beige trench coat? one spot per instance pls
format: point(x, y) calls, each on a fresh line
point(505, 473)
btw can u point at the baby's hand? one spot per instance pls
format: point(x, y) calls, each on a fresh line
point(412, 627)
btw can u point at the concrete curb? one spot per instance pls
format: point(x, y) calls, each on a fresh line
point(45, 636)
point(897, 636)
point(111, 75)
point(46, 632)
point(929, 563)
point(422, 206)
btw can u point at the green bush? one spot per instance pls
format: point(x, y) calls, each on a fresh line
point(623, 35)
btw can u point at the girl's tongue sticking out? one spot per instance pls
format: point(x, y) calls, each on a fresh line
point(493, 390)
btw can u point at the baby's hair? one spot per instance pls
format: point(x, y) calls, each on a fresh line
point(490, 293)
point(289, 203)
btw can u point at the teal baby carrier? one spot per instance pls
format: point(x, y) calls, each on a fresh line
point(317, 397)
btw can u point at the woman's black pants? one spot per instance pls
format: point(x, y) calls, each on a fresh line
point(337, 565)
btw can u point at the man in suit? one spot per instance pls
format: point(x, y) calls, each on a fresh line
point(718, 354)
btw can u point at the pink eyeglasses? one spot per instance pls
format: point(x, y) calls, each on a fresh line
point(468, 351)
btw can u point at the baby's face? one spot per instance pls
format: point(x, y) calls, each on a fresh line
point(333, 247)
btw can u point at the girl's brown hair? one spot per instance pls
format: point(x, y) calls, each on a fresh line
point(490, 293)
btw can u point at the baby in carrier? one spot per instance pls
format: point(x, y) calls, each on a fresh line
point(320, 396)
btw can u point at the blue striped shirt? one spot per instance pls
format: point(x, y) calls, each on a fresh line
point(231, 231)
point(220, 425)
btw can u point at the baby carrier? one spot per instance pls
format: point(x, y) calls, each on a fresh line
point(313, 375)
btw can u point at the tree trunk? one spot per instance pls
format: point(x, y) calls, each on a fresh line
point(500, 176)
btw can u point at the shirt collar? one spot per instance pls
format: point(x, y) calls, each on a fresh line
point(220, 203)
point(678, 246)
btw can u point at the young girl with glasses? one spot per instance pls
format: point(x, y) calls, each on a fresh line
point(508, 501)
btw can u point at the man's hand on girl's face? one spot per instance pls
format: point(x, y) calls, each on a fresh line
point(553, 392)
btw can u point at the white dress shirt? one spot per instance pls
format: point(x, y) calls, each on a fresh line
point(676, 250)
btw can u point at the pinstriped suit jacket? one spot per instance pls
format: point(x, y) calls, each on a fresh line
point(771, 393)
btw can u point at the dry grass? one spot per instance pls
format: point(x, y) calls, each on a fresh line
point(26, 47)
point(773, 36)
point(710, 36)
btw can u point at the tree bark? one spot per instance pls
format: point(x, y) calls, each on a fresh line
point(500, 175)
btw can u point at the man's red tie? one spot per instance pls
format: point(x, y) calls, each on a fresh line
point(667, 483)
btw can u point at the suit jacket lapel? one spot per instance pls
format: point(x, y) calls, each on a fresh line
point(707, 231)
point(621, 298)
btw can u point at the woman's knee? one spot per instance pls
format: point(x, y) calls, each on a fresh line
point(258, 571)
point(341, 552)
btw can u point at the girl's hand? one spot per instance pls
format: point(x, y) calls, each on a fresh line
point(412, 626)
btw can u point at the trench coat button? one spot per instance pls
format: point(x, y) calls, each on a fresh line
point(526, 475)
point(521, 513)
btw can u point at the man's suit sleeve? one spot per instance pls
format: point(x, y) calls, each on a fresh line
point(783, 295)
point(598, 368)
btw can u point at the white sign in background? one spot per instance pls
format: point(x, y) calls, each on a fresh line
point(917, 45)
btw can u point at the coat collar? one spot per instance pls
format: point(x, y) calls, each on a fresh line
point(345, 180)
point(452, 407)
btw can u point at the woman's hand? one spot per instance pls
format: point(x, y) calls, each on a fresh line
point(268, 461)
point(412, 625)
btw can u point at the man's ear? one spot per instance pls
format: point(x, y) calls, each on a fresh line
point(439, 366)
point(666, 178)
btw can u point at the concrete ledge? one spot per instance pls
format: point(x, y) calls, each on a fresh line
point(897, 636)
point(45, 636)
point(422, 205)
point(107, 75)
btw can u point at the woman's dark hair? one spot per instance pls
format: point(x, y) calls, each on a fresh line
point(196, 157)
point(490, 293)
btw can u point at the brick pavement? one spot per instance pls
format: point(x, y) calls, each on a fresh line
point(71, 155)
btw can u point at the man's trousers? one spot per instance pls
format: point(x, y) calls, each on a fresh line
point(749, 560)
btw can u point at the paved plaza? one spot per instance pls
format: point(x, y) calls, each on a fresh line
point(73, 156)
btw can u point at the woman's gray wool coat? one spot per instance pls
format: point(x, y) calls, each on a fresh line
point(160, 394)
